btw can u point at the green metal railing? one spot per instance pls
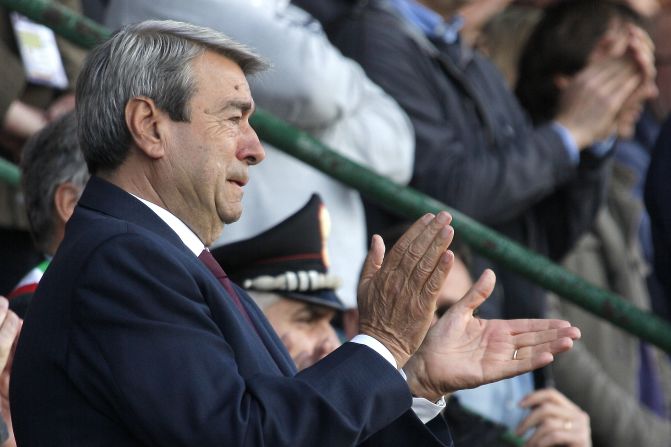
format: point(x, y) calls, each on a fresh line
point(9, 172)
point(62, 20)
point(402, 200)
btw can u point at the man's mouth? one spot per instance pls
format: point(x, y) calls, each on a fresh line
point(239, 182)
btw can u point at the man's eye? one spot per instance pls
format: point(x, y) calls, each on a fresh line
point(235, 119)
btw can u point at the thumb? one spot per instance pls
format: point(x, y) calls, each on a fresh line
point(374, 258)
point(479, 292)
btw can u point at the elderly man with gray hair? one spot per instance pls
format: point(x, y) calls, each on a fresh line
point(53, 177)
point(136, 335)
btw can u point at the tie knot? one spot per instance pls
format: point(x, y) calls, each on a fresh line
point(206, 258)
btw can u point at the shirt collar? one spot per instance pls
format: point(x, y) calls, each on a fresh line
point(187, 236)
point(430, 22)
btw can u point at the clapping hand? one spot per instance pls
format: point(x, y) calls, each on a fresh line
point(462, 351)
point(398, 293)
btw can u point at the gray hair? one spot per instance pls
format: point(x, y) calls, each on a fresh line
point(152, 59)
point(50, 158)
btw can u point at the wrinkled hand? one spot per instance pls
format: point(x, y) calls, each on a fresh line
point(461, 351)
point(557, 421)
point(397, 293)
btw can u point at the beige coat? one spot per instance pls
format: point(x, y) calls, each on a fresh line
point(600, 374)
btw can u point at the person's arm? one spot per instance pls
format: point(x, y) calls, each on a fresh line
point(149, 347)
point(174, 379)
point(311, 85)
point(570, 212)
point(22, 120)
point(18, 120)
point(13, 79)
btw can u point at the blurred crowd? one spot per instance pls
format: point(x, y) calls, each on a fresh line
point(547, 120)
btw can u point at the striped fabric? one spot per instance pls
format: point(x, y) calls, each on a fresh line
point(28, 284)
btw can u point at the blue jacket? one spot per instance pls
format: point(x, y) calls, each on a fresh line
point(131, 341)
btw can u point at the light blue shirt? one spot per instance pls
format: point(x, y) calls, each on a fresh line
point(430, 22)
point(499, 401)
point(600, 148)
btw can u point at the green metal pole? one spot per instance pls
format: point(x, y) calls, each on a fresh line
point(402, 200)
point(9, 172)
point(62, 20)
point(512, 439)
point(412, 204)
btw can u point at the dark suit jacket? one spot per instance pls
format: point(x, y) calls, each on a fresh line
point(130, 340)
point(657, 193)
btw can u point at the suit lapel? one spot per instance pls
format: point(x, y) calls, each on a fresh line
point(104, 197)
point(267, 334)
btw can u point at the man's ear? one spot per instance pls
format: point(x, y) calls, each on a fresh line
point(144, 121)
point(65, 199)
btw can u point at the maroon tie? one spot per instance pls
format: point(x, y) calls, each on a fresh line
point(212, 264)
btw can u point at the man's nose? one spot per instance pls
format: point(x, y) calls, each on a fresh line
point(250, 148)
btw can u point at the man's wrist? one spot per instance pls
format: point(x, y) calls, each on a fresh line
point(414, 371)
point(568, 140)
point(604, 147)
point(390, 343)
point(574, 138)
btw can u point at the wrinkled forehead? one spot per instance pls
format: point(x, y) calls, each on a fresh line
point(220, 79)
